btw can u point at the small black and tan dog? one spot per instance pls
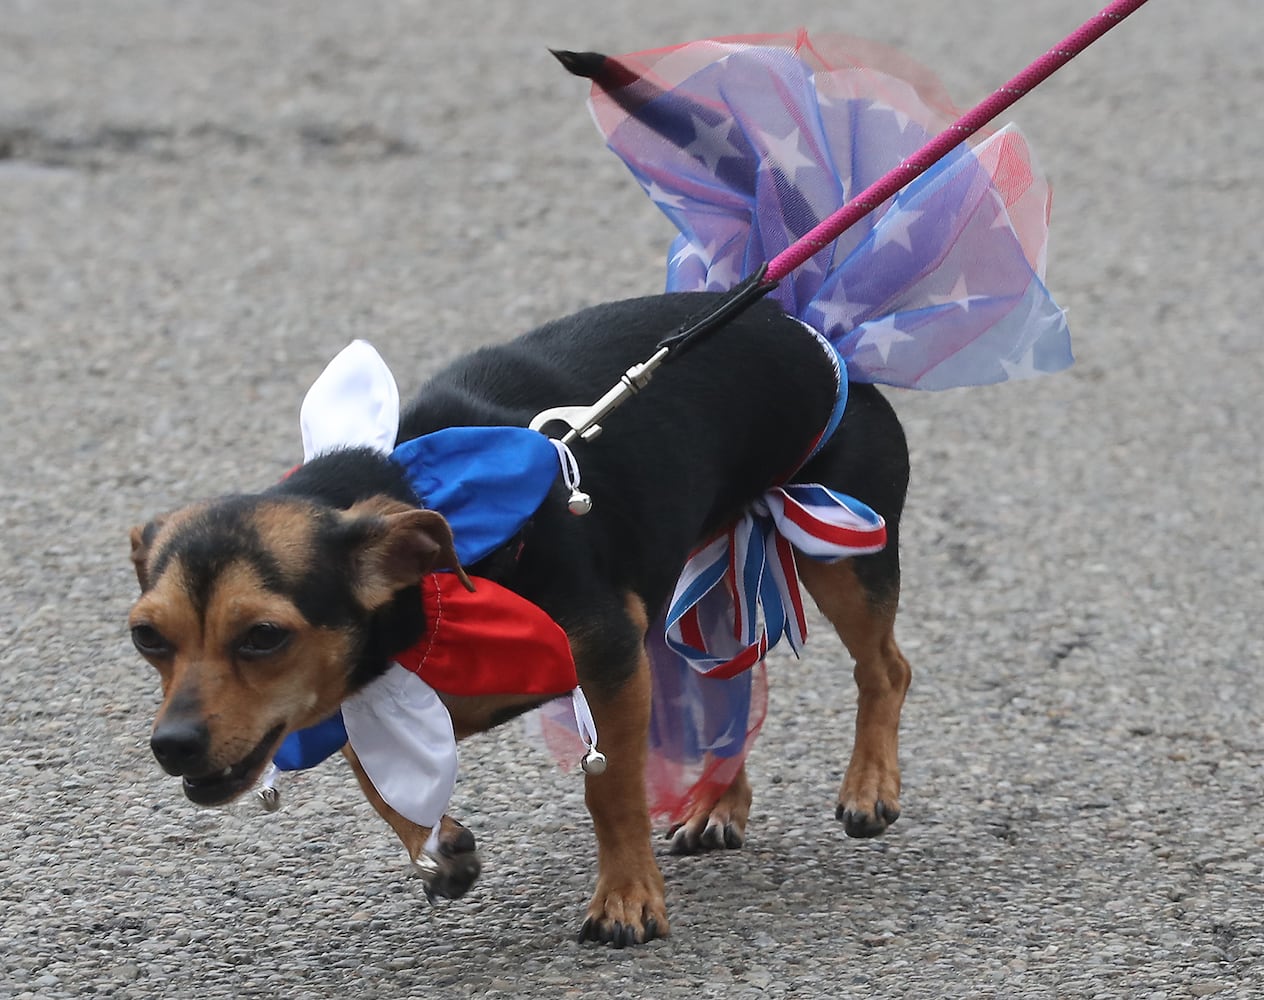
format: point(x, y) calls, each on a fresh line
point(262, 612)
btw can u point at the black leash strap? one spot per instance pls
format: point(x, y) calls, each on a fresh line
point(740, 298)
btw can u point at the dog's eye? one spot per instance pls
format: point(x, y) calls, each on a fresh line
point(262, 640)
point(149, 641)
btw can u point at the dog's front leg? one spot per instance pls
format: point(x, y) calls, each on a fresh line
point(629, 905)
point(458, 866)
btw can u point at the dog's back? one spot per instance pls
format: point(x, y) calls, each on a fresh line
point(729, 417)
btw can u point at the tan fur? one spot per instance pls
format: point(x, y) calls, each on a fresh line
point(630, 890)
point(410, 834)
point(478, 713)
point(406, 543)
point(286, 533)
point(716, 824)
point(158, 529)
point(870, 792)
point(240, 702)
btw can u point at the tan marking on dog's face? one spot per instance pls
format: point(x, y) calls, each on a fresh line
point(217, 664)
point(288, 535)
point(148, 539)
point(378, 506)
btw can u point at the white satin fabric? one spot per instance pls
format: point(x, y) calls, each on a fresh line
point(398, 727)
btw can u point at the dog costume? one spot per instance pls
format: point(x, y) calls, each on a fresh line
point(745, 144)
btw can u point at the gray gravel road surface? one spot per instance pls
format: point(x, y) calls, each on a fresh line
point(200, 203)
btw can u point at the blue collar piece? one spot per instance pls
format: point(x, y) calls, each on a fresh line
point(487, 481)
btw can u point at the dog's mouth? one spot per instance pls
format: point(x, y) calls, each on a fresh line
point(221, 786)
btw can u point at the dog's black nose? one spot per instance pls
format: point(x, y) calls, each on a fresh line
point(180, 745)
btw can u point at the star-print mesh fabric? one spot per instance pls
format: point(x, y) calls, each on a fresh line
point(747, 143)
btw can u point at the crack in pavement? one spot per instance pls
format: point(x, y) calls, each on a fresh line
point(111, 145)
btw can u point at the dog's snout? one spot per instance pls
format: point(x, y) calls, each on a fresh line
point(180, 745)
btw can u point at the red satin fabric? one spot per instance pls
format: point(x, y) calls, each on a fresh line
point(487, 642)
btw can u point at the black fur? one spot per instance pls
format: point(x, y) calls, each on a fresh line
point(718, 425)
point(867, 457)
point(730, 417)
point(346, 477)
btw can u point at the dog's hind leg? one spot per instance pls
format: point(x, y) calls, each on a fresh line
point(718, 825)
point(629, 904)
point(867, 457)
point(458, 862)
point(869, 800)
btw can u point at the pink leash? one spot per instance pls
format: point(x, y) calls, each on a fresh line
point(967, 125)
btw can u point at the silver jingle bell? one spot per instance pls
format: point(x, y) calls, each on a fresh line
point(594, 762)
point(580, 503)
point(270, 798)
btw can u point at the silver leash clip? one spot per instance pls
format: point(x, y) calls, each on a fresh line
point(584, 422)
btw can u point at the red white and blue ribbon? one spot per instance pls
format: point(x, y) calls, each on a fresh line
point(739, 594)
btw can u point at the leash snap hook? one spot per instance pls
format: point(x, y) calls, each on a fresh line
point(584, 422)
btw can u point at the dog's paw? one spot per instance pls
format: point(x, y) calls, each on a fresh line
point(710, 831)
point(867, 820)
point(722, 827)
point(869, 800)
point(633, 914)
point(455, 867)
point(455, 838)
point(453, 877)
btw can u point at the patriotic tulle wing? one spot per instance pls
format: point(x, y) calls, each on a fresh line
point(746, 144)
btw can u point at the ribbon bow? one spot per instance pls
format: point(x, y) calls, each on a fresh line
point(713, 620)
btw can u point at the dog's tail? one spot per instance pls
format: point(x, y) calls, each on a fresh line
point(630, 87)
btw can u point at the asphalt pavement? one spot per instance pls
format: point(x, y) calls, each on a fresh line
point(201, 203)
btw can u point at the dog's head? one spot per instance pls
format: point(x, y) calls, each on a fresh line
point(262, 613)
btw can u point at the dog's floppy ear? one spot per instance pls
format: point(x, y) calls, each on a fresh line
point(397, 549)
point(142, 536)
